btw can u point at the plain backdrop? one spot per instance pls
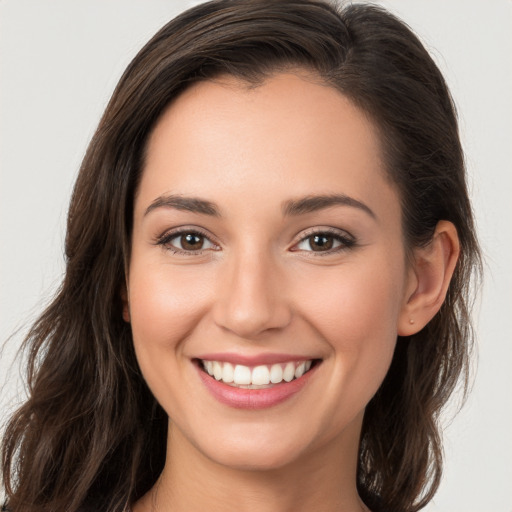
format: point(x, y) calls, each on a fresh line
point(59, 63)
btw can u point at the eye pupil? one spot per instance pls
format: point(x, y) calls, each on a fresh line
point(191, 241)
point(321, 242)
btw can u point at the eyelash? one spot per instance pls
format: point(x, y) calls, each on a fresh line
point(165, 240)
point(346, 241)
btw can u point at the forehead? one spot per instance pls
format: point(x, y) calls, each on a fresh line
point(291, 135)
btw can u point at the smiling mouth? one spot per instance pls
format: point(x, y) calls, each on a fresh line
point(256, 377)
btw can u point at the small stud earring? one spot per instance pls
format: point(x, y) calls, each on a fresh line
point(411, 321)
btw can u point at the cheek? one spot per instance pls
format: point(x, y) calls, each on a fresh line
point(165, 305)
point(355, 309)
point(358, 320)
point(355, 300)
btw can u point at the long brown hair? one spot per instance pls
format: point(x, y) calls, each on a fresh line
point(91, 435)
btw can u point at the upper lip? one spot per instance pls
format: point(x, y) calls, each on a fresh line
point(253, 360)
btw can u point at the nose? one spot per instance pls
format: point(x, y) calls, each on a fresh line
point(250, 298)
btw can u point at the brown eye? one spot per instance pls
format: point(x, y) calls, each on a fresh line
point(187, 242)
point(321, 242)
point(326, 242)
point(191, 242)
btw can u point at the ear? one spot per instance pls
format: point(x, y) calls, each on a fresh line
point(428, 279)
point(126, 303)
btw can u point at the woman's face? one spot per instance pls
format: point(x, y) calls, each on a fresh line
point(267, 240)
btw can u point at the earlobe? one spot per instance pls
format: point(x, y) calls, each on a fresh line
point(429, 278)
point(126, 304)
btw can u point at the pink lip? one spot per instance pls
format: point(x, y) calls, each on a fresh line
point(255, 360)
point(241, 398)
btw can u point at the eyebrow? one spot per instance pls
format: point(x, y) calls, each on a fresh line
point(292, 207)
point(311, 204)
point(189, 204)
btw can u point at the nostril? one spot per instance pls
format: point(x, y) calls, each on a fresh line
point(251, 320)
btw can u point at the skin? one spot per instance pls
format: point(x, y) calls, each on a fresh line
point(257, 286)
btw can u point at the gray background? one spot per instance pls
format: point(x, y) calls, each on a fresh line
point(59, 62)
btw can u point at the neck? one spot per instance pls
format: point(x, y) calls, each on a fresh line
point(192, 482)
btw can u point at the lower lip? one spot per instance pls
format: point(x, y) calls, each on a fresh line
point(242, 398)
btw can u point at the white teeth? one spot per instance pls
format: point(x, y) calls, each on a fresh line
point(262, 375)
point(228, 373)
point(242, 375)
point(217, 370)
point(289, 372)
point(299, 371)
point(276, 373)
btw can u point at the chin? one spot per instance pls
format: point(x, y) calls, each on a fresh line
point(248, 451)
point(268, 459)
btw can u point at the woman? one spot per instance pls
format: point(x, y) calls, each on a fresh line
point(269, 249)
